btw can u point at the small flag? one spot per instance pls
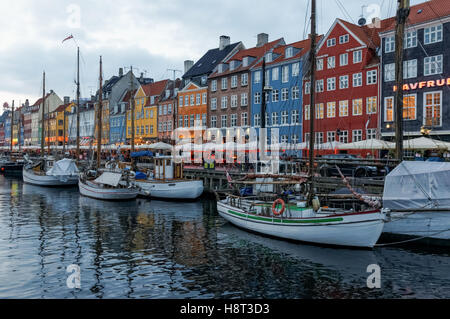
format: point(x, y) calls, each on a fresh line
point(68, 38)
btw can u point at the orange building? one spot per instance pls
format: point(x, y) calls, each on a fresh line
point(192, 107)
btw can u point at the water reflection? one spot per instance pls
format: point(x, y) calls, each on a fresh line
point(155, 249)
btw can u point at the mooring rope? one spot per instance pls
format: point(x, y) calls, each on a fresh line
point(411, 240)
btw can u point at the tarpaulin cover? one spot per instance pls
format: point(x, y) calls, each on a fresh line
point(109, 178)
point(64, 167)
point(415, 185)
point(141, 154)
point(140, 176)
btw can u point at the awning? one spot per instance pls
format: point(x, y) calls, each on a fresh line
point(371, 144)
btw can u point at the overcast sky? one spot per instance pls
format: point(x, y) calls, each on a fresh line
point(151, 35)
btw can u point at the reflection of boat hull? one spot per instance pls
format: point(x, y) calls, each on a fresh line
point(50, 181)
point(434, 225)
point(354, 230)
point(11, 168)
point(172, 189)
point(96, 191)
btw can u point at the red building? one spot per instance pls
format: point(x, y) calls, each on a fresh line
point(347, 86)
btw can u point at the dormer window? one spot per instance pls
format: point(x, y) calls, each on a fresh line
point(289, 52)
point(167, 93)
point(233, 65)
point(245, 61)
point(269, 57)
point(221, 68)
point(204, 78)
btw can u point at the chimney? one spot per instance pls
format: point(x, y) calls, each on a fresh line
point(188, 64)
point(66, 99)
point(120, 72)
point(51, 92)
point(142, 76)
point(263, 38)
point(27, 103)
point(224, 41)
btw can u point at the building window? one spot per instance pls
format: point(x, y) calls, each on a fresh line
point(257, 119)
point(319, 137)
point(192, 120)
point(267, 78)
point(357, 56)
point(389, 109)
point(244, 79)
point(214, 85)
point(343, 137)
point(213, 121)
point(284, 139)
point(389, 72)
point(307, 111)
point(389, 44)
point(295, 117)
point(234, 81)
point(233, 120)
point(356, 135)
point(180, 121)
point(371, 133)
point(295, 69)
point(224, 104)
point(331, 42)
point(331, 62)
point(151, 129)
point(319, 86)
point(275, 74)
point(204, 98)
point(371, 77)
point(223, 121)
point(331, 109)
point(319, 111)
point(288, 52)
point(343, 59)
point(244, 99)
point(433, 65)
point(343, 38)
point(433, 109)
point(357, 79)
point(181, 101)
point(343, 82)
point(371, 105)
point(192, 99)
point(410, 69)
point(343, 108)
point(410, 39)
point(275, 96)
point(244, 119)
point(284, 118)
point(186, 121)
point(224, 83)
point(331, 136)
point(433, 34)
point(186, 100)
point(204, 119)
point(294, 139)
point(357, 107)
point(319, 65)
point(285, 74)
point(295, 93)
point(284, 94)
point(409, 107)
point(331, 84)
point(214, 104)
point(257, 77)
point(274, 118)
point(307, 87)
point(257, 97)
point(234, 101)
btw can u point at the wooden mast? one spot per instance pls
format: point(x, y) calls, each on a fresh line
point(402, 15)
point(312, 113)
point(99, 118)
point(132, 114)
point(78, 104)
point(48, 129)
point(12, 125)
point(42, 115)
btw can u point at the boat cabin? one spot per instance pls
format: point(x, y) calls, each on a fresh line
point(165, 168)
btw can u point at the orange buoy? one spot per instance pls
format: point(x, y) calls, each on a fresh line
point(274, 207)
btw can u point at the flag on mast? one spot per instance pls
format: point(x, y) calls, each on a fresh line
point(68, 38)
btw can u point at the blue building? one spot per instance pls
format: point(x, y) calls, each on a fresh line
point(426, 73)
point(284, 74)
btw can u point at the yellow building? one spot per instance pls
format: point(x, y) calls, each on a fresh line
point(146, 101)
point(57, 125)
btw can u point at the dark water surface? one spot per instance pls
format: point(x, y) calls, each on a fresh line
point(155, 249)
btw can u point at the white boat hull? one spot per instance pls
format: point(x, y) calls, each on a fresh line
point(171, 189)
point(44, 180)
point(354, 230)
point(96, 191)
point(435, 225)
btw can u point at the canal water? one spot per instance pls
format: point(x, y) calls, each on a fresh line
point(156, 249)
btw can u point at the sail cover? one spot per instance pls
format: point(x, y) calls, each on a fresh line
point(109, 178)
point(65, 167)
point(418, 185)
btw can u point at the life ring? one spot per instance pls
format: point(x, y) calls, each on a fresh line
point(274, 205)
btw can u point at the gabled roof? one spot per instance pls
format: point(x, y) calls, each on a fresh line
point(256, 52)
point(424, 12)
point(304, 46)
point(62, 107)
point(39, 101)
point(209, 61)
